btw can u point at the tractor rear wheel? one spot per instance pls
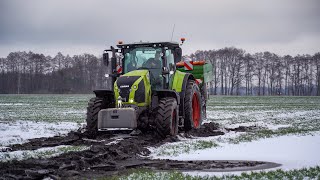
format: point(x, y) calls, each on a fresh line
point(94, 106)
point(166, 120)
point(192, 107)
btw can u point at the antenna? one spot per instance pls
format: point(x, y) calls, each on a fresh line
point(172, 31)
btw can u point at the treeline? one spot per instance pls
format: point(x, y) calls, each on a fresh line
point(22, 72)
point(239, 73)
point(235, 72)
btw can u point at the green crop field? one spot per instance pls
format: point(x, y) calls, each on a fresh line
point(270, 117)
point(221, 109)
point(47, 108)
point(273, 116)
point(30, 116)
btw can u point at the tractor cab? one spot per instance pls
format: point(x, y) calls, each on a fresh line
point(158, 58)
point(148, 58)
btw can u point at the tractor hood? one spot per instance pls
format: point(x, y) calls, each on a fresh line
point(143, 72)
point(134, 88)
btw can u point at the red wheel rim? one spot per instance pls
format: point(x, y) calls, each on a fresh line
point(195, 110)
point(173, 122)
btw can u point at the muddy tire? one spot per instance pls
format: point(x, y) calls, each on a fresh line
point(94, 106)
point(192, 107)
point(143, 122)
point(166, 120)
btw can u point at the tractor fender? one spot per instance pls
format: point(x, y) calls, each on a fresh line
point(159, 94)
point(107, 96)
point(104, 93)
point(186, 78)
point(167, 93)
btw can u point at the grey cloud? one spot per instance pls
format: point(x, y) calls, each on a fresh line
point(44, 23)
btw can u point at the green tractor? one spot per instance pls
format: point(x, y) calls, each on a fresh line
point(152, 90)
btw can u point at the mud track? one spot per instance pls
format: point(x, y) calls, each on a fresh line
point(107, 157)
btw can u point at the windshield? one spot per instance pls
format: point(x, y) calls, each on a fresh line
point(142, 58)
point(145, 58)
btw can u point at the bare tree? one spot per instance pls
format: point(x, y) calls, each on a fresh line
point(316, 59)
point(248, 73)
point(258, 67)
point(235, 73)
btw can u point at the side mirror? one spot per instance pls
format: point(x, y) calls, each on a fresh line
point(177, 55)
point(105, 58)
point(114, 64)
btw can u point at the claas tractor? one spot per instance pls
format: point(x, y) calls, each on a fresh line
point(152, 90)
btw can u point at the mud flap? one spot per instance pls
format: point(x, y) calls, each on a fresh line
point(122, 118)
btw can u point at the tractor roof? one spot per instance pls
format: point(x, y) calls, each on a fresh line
point(149, 44)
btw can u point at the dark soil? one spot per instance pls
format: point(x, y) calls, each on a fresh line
point(243, 128)
point(103, 160)
point(206, 130)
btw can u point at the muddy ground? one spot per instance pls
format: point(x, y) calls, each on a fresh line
point(104, 159)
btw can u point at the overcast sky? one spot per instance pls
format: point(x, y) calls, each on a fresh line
point(79, 26)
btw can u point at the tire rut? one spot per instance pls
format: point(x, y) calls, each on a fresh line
point(102, 160)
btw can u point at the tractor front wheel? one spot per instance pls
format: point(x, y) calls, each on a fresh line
point(94, 106)
point(167, 117)
point(192, 107)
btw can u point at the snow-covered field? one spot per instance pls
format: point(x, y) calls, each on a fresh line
point(283, 130)
point(291, 151)
point(17, 132)
point(45, 108)
point(39, 153)
point(24, 117)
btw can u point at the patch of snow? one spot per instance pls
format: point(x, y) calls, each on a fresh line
point(258, 124)
point(293, 152)
point(296, 114)
point(187, 143)
point(114, 141)
point(239, 107)
point(73, 112)
point(14, 132)
point(260, 114)
point(220, 174)
point(39, 153)
point(14, 104)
